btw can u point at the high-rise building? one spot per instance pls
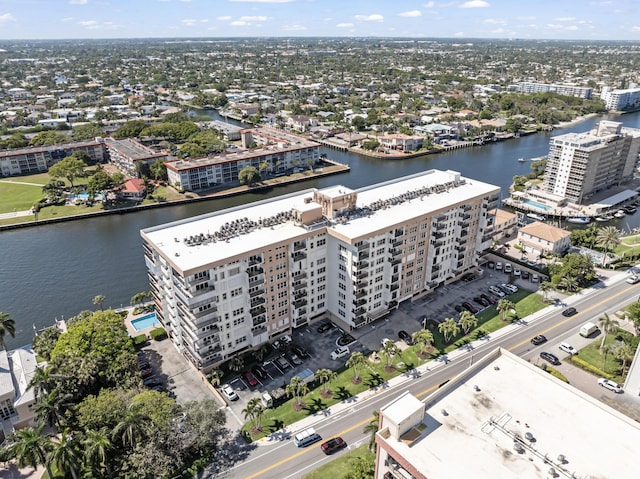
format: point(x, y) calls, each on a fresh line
point(567, 90)
point(232, 280)
point(580, 165)
point(625, 99)
point(504, 417)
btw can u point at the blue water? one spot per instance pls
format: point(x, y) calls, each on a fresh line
point(84, 197)
point(145, 322)
point(536, 205)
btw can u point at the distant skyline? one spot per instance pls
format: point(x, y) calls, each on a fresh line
point(533, 19)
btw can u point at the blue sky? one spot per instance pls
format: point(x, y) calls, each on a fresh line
point(545, 19)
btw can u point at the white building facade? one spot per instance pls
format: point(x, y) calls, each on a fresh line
point(625, 99)
point(233, 280)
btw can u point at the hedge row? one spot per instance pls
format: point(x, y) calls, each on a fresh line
point(158, 334)
point(581, 363)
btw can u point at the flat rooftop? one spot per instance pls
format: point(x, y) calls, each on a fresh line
point(472, 423)
point(255, 226)
point(132, 149)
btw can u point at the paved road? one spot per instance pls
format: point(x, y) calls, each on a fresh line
point(277, 457)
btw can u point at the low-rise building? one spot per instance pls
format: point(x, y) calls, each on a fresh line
point(539, 238)
point(133, 189)
point(17, 368)
point(501, 224)
point(504, 417)
point(127, 154)
point(401, 142)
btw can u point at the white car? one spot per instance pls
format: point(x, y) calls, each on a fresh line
point(499, 266)
point(340, 352)
point(507, 268)
point(567, 348)
point(229, 393)
point(633, 279)
point(510, 287)
point(535, 278)
point(610, 385)
point(385, 341)
point(497, 291)
point(516, 272)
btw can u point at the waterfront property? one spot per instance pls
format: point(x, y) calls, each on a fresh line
point(127, 154)
point(233, 280)
point(145, 322)
point(16, 398)
point(494, 409)
point(539, 238)
point(261, 145)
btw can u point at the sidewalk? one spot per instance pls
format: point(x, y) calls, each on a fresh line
point(463, 351)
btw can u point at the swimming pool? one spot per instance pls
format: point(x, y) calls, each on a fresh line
point(535, 204)
point(144, 322)
point(85, 197)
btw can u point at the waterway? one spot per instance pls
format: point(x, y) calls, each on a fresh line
point(54, 271)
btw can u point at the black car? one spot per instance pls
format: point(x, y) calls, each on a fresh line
point(525, 275)
point(552, 358)
point(152, 382)
point(458, 308)
point(293, 358)
point(538, 340)
point(481, 301)
point(324, 327)
point(470, 307)
point(569, 312)
point(406, 337)
point(489, 299)
point(260, 372)
point(300, 351)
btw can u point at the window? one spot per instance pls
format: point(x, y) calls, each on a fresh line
point(238, 312)
point(321, 261)
point(236, 292)
point(322, 242)
point(234, 271)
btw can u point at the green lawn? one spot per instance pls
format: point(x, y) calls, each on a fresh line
point(593, 355)
point(340, 466)
point(15, 197)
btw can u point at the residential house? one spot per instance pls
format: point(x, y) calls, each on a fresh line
point(539, 238)
point(17, 399)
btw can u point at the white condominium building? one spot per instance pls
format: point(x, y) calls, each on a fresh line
point(232, 280)
point(582, 164)
point(567, 90)
point(626, 99)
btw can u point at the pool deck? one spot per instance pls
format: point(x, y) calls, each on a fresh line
point(130, 317)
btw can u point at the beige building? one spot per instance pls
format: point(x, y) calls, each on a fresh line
point(232, 280)
point(501, 224)
point(504, 418)
point(538, 238)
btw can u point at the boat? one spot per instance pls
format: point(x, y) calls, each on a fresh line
point(603, 218)
point(579, 220)
point(620, 214)
point(521, 160)
point(629, 209)
point(536, 217)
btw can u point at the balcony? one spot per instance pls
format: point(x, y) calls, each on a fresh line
point(298, 275)
point(397, 243)
point(299, 285)
point(254, 272)
point(394, 251)
point(362, 275)
point(460, 248)
point(360, 293)
point(359, 320)
point(467, 207)
point(257, 301)
point(361, 264)
point(439, 226)
point(435, 268)
point(392, 304)
point(200, 314)
point(259, 320)
point(466, 216)
point(257, 292)
point(363, 246)
point(254, 260)
point(395, 261)
point(463, 224)
point(464, 232)
point(363, 255)
point(437, 244)
point(361, 284)
point(395, 278)
point(258, 331)
point(359, 302)
point(438, 235)
point(359, 311)
point(257, 311)
point(394, 287)
point(299, 245)
point(397, 233)
point(299, 256)
point(300, 303)
point(301, 293)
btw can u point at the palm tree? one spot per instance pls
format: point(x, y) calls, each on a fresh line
point(139, 298)
point(98, 300)
point(504, 306)
point(41, 382)
point(131, 428)
point(31, 448)
point(389, 349)
point(569, 283)
point(545, 287)
point(237, 363)
point(449, 329)
point(423, 337)
point(607, 237)
point(297, 388)
point(607, 325)
point(7, 325)
point(624, 352)
point(96, 448)
point(356, 360)
point(215, 377)
point(261, 352)
point(467, 321)
point(324, 377)
point(50, 408)
point(253, 410)
point(371, 428)
point(65, 454)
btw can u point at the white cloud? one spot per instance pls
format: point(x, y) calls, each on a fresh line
point(224, 18)
point(475, 4)
point(458, 34)
point(262, 1)
point(93, 25)
point(344, 25)
point(78, 2)
point(494, 21)
point(370, 18)
point(257, 18)
point(294, 28)
point(189, 22)
point(635, 28)
point(67, 19)
point(411, 13)
point(6, 18)
point(238, 23)
point(429, 5)
point(565, 19)
point(87, 23)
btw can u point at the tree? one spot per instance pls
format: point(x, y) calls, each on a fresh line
point(50, 408)
point(69, 168)
point(371, 428)
point(297, 388)
point(158, 170)
point(97, 447)
point(130, 129)
point(248, 175)
point(607, 237)
point(86, 131)
point(545, 287)
point(236, 364)
point(98, 300)
point(356, 360)
point(467, 321)
point(625, 353)
point(131, 429)
point(264, 166)
point(389, 350)
point(504, 307)
point(569, 283)
point(424, 337)
point(324, 377)
point(139, 298)
point(449, 329)
point(99, 183)
point(253, 411)
point(261, 352)
point(31, 448)
point(633, 313)
point(65, 454)
point(607, 326)
point(215, 377)
point(7, 326)
point(49, 138)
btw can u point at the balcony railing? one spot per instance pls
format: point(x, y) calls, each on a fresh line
point(255, 293)
point(254, 272)
point(299, 246)
point(300, 303)
point(299, 256)
point(257, 311)
point(257, 301)
point(300, 285)
point(363, 246)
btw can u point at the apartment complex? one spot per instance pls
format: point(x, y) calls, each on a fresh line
point(233, 280)
point(280, 150)
point(127, 154)
point(567, 90)
point(580, 165)
point(38, 159)
point(504, 417)
point(625, 99)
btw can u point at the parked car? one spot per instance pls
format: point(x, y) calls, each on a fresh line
point(525, 275)
point(406, 337)
point(299, 350)
point(293, 358)
point(552, 358)
point(250, 378)
point(470, 307)
point(260, 372)
point(535, 278)
point(539, 339)
point(499, 266)
point(333, 445)
point(282, 363)
point(508, 268)
point(229, 393)
point(569, 312)
point(633, 279)
point(497, 291)
point(610, 385)
point(567, 348)
point(517, 272)
point(152, 381)
point(491, 264)
point(511, 288)
point(458, 308)
point(324, 327)
point(489, 299)
point(339, 352)
point(146, 373)
point(481, 301)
